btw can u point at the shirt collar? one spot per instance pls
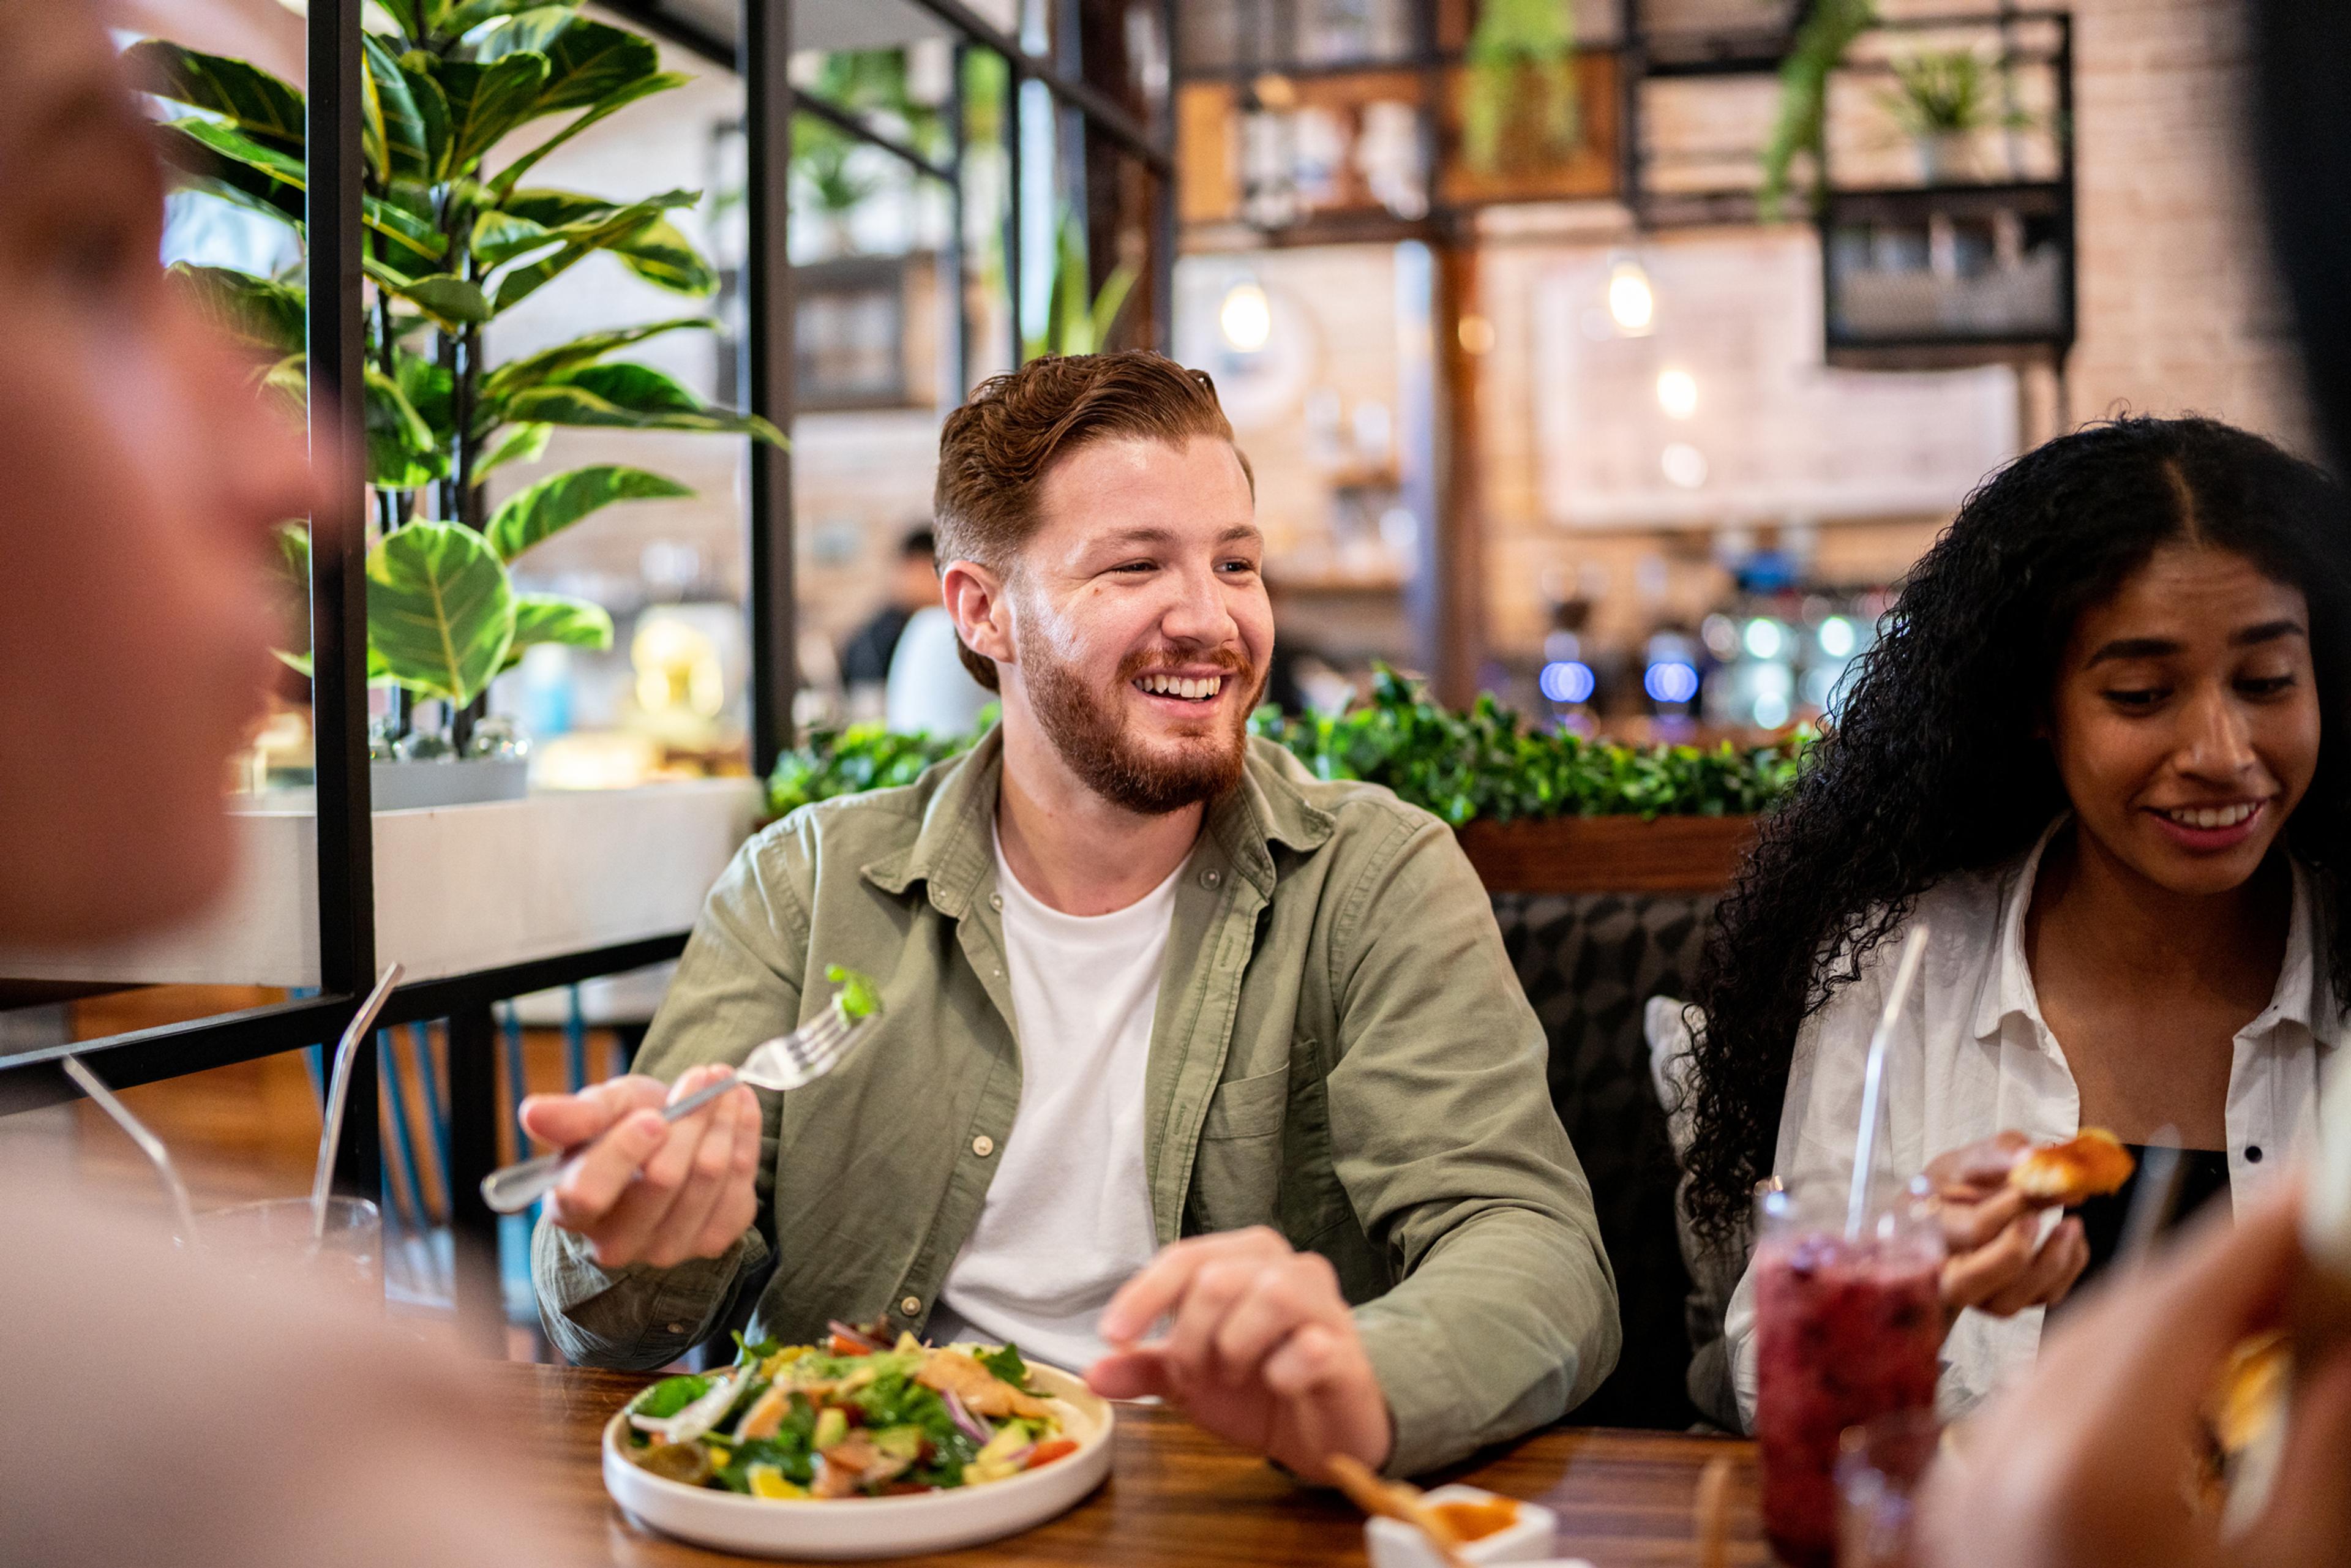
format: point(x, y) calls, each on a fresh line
point(953, 851)
point(2007, 984)
point(2305, 993)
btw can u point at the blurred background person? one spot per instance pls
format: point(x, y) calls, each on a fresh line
point(865, 656)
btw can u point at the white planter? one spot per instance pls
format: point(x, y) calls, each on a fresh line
point(458, 888)
point(408, 785)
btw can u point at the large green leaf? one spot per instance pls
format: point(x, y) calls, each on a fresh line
point(589, 61)
point(440, 609)
point(452, 302)
point(254, 312)
point(612, 103)
point(527, 221)
point(557, 502)
point(660, 255)
point(431, 390)
point(632, 397)
point(411, 17)
point(432, 112)
point(552, 618)
point(207, 148)
point(548, 363)
point(245, 95)
point(485, 101)
point(456, 20)
point(586, 225)
point(520, 444)
point(532, 30)
point(407, 137)
point(401, 451)
point(215, 143)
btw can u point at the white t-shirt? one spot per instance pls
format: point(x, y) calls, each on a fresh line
point(1066, 1219)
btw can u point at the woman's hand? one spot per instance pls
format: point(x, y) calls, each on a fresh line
point(1991, 1230)
point(2084, 1464)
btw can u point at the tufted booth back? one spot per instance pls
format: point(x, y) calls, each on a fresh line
point(1588, 963)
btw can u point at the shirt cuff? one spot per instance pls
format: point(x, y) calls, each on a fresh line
point(637, 1316)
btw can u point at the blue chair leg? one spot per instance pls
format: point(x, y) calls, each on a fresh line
point(436, 1115)
point(410, 1191)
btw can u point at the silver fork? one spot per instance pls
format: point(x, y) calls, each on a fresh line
point(787, 1061)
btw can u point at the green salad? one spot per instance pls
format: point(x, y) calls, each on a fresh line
point(856, 1417)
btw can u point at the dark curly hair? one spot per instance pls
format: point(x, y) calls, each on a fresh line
point(1932, 766)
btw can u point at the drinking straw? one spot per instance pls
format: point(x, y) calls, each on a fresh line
point(1873, 1082)
point(149, 1143)
point(339, 1090)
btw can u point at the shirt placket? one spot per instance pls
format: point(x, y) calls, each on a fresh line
point(978, 914)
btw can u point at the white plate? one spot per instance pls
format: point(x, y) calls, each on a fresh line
point(846, 1529)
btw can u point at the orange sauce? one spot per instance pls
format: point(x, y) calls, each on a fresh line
point(1475, 1521)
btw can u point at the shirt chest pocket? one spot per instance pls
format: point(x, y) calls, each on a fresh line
point(1250, 1107)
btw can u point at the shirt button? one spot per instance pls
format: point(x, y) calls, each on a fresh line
point(996, 901)
point(983, 1145)
point(1211, 877)
point(677, 1328)
point(2253, 1153)
point(911, 1305)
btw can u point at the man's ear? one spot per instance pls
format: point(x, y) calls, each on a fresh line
point(976, 603)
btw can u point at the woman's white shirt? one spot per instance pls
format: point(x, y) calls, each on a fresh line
point(1970, 1055)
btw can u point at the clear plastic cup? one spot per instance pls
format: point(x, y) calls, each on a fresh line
point(1847, 1331)
point(1881, 1466)
point(273, 1238)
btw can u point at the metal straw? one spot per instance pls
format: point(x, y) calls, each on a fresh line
point(1873, 1083)
point(149, 1143)
point(338, 1091)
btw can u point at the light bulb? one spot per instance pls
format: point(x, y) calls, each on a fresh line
point(1678, 393)
point(1245, 318)
point(1632, 303)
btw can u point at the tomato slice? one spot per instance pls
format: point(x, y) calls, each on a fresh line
point(1046, 1453)
point(840, 1347)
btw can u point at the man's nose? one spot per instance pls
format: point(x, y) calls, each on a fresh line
point(1197, 612)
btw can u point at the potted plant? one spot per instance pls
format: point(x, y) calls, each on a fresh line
point(452, 244)
point(1942, 100)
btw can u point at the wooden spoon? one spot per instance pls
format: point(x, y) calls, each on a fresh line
point(1398, 1501)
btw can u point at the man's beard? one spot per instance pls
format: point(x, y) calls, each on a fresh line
point(1089, 730)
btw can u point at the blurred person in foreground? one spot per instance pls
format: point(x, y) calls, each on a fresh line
point(2092, 1463)
point(1171, 1028)
point(167, 1414)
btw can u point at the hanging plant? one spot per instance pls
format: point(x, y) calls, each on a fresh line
point(1801, 126)
point(1520, 92)
point(452, 244)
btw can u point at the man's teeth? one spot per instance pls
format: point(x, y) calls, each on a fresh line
point(2214, 816)
point(1198, 689)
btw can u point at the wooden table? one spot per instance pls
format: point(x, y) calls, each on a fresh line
point(1177, 1496)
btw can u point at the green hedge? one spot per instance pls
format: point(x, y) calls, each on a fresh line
point(1484, 763)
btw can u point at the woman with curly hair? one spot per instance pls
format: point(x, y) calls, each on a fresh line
point(2086, 753)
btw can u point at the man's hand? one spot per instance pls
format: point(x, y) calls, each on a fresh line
point(2087, 1463)
point(654, 1192)
point(1260, 1349)
point(1989, 1232)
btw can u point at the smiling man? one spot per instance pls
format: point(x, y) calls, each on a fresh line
point(1197, 1073)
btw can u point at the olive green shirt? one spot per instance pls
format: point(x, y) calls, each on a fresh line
point(1340, 1052)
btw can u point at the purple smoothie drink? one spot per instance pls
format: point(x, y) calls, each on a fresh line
point(1846, 1331)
